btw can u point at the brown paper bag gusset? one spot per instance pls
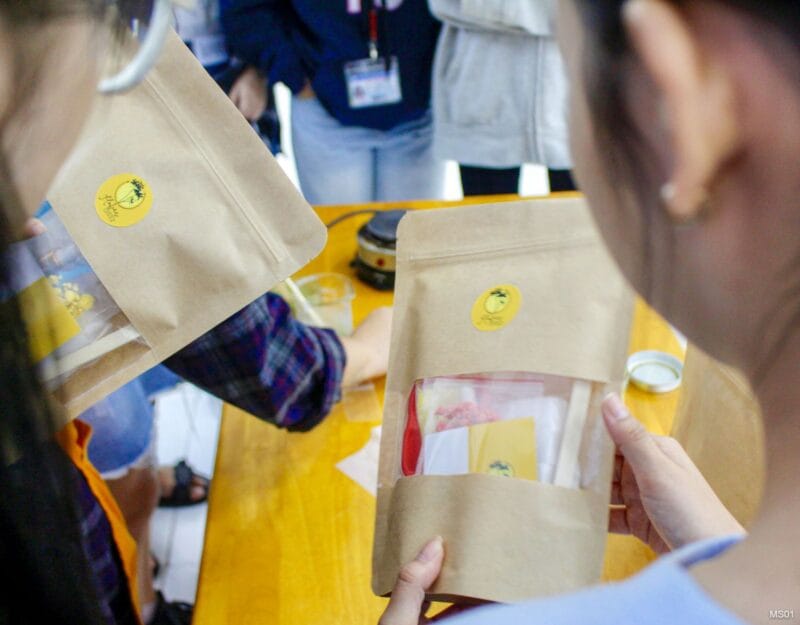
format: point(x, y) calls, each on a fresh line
point(182, 214)
point(719, 423)
point(511, 324)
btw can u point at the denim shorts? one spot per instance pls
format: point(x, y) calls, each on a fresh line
point(123, 425)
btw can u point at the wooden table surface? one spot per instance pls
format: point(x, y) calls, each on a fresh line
point(289, 536)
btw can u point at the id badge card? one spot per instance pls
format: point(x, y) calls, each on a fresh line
point(372, 82)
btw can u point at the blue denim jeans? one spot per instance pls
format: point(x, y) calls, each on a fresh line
point(339, 164)
point(123, 427)
point(123, 424)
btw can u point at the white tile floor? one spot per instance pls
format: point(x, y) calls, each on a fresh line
point(187, 421)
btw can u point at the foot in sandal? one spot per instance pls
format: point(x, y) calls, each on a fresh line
point(181, 486)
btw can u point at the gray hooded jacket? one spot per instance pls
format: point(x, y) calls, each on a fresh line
point(499, 87)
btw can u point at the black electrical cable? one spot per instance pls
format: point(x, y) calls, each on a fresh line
point(341, 218)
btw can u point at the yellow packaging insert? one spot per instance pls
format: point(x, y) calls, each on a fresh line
point(505, 448)
point(48, 321)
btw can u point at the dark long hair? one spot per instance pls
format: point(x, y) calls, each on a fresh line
point(44, 572)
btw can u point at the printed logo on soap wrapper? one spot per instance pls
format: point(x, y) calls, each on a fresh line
point(496, 307)
point(71, 296)
point(499, 467)
point(123, 200)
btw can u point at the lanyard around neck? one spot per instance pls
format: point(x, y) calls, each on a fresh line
point(372, 12)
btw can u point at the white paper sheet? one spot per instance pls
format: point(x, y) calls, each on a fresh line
point(446, 453)
point(362, 466)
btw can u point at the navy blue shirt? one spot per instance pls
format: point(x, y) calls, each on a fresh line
point(295, 41)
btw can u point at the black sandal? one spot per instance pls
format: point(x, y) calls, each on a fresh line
point(181, 495)
point(171, 612)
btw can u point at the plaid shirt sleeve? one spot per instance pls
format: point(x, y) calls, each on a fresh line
point(265, 362)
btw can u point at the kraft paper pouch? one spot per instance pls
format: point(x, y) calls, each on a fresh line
point(718, 421)
point(182, 214)
point(511, 320)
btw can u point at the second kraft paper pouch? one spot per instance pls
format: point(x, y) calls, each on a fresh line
point(179, 217)
point(511, 325)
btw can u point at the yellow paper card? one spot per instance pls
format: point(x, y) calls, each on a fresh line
point(47, 320)
point(504, 448)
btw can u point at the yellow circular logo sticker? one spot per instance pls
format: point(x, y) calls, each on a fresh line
point(496, 308)
point(123, 200)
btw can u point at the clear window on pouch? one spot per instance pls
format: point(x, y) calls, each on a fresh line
point(513, 424)
point(71, 318)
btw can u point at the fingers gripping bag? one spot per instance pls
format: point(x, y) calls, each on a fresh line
point(511, 325)
point(178, 217)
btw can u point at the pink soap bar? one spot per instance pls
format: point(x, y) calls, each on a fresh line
point(463, 415)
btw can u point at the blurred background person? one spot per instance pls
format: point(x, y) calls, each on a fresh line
point(500, 93)
point(200, 29)
point(360, 73)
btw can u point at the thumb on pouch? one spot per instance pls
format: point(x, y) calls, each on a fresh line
point(629, 435)
point(414, 579)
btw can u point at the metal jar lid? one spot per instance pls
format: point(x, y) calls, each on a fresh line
point(654, 371)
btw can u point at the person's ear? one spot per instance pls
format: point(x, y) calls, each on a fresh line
point(697, 98)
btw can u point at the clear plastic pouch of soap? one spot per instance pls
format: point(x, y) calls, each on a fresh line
point(512, 424)
point(101, 325)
